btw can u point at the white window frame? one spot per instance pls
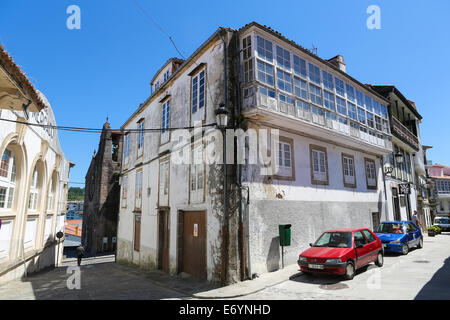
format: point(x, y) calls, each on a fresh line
point(197, 175)
point(348, 170)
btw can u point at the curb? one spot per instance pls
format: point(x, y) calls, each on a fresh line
point(230, 296)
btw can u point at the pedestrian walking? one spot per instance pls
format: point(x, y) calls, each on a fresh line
point(415, 219)
point(80, 253)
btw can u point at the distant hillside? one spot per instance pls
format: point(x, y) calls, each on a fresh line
point(75, 194)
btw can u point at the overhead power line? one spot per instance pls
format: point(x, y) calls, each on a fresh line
point(100, 130)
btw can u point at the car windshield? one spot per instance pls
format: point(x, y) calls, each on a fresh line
point(390, 228)
point(335, 240)
point(441, 220)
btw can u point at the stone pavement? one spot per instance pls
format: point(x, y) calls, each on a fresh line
point(247, 287)
point(422, 274)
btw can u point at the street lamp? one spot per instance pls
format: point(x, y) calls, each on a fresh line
point(398, 158)
point(222, 116)
point(222, 124)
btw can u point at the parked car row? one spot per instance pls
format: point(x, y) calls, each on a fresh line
point(343, 251)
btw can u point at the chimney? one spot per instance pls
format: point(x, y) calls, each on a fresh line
point(338, 62)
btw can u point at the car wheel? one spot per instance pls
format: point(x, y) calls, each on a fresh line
point(380, 260)
point(420, 244)
point(349, 271)
point(405, 249)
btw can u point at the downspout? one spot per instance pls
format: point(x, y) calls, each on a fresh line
point(242, 237)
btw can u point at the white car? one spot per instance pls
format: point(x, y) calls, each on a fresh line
point(443, 223)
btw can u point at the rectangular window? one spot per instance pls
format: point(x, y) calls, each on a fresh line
point(327, 81)
point(315, 94)
point(371, 175)
point(352, 111)
point(265, 73)
point(266, 92)
point(165, 116)
point(319, 165)
point(378, 124)
point(328, 100)
point(348, 167)
point(361, 115)
point(286, 99)
point(264, 49)
point(300, 67)
point(383, 110)
point(247, 47)
point(2, 197)
point(301, 88)
point(359, 98)
point(141, 134)
point(314, 73)
point(197, 175)
point(124, 191)
point(370, 121)
point(376, 107)
point(164, 183)
point(283, 58)
point(127, 146)
point(368, 101)
point(198, 92)
point(284, 81)
point(248, 71)
point(138, 195)
point(284, 159)
point(341, 107)
point(350, 92)
point(339, 87)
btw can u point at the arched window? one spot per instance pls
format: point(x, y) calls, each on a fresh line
point(51, 193)
point(7, 179)
point(34, 190)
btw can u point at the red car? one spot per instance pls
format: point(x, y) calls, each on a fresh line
point(342, 252)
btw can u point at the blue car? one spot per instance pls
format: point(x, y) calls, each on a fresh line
point(399, 236)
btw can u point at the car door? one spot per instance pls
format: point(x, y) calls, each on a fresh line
point(362, 253)
point(417, 233)
point(410, 234)
point(372, 245)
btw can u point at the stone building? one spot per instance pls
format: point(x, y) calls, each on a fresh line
point(102, 195)
point(34, 176)
point(322, 134)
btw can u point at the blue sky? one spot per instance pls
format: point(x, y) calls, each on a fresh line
point(105, 68)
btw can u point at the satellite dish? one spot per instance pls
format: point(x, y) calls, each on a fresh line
point(59, 235)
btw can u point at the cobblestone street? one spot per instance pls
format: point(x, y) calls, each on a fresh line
point(102, 279)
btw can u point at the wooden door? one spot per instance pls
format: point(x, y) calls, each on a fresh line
point(163, 236)
point(194, 244)
point(137, 232)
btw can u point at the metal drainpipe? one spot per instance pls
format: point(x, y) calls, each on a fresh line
point(239, 167)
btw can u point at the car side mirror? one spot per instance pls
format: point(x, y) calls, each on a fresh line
point(310, 244)
point(359, 246)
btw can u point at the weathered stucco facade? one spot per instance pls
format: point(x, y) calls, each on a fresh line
point(34, 177)
point(326, 158)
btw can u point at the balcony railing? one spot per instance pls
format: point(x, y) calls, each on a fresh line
point(319, 119)
point(403, 133)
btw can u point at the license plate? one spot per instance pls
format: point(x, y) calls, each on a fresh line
point(315, 266)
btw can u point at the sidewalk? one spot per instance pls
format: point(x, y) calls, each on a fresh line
point(247, 287)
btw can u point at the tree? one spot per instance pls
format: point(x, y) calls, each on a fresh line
point(75, 194)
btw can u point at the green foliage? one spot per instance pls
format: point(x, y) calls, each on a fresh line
point(75, 194)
